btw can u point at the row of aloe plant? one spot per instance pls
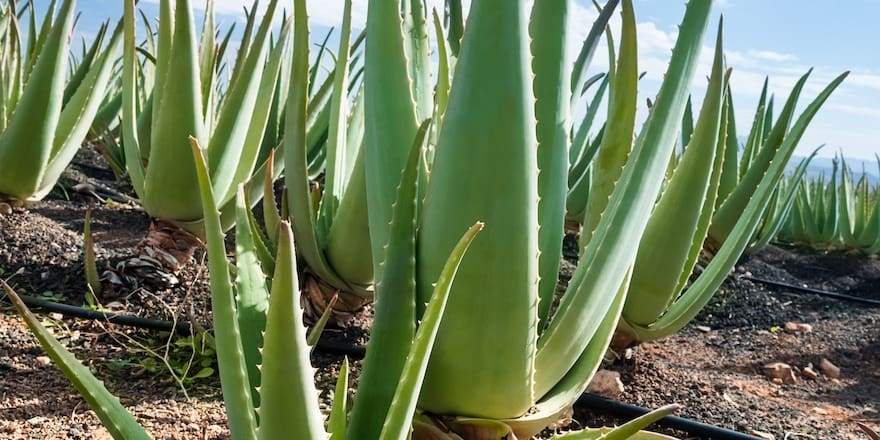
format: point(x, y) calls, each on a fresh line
point(411, 167)
point(836, 211)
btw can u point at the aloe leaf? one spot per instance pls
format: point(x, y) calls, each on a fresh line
point(588, 48)
point(756, 134)
point(348, 249)
point(388, 102)
point(444, 73)
point(582, 135)
point(552, 111)
point(630, 430)
point(131, 139)
point(235, 142)
point(334, 185)
point(249, 156)
point(400, 414)
point(303, 218)
point(170, 169)
point(337, 423)
point(36, 116)
point(85, 63)
point(454, 21)
point(418, 48)
point(76, 118)
point(787, 199)
point(252, 295)
point(287, 375)
point(230, 354)
point(603, 267)
point(677, 227)
point(118, 421)
point(207, 62)
point(394, 325)
point(38, 40)
point(264, 249)
point(492, 89)
point(776, 148)
point(617, 140)
point(730, 170)
point(686, 307)
point(316, 330)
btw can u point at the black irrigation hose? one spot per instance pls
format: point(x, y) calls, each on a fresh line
point(824, 293)
point(627, 411)
point(181, 328)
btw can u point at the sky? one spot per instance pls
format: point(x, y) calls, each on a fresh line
point(779, 39)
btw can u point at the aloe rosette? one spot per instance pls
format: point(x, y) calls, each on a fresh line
point(45, 113)
point(837, 212)
point(500, 370)
point(185, 101)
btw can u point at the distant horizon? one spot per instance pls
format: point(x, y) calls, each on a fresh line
point(760, 39)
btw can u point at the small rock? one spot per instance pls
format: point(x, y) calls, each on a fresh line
point(703, 328)
point(820, 411)
point(798, 327)
point(809, 373)
point(606, 383)
point(877, 373)
point(763, 435)
point(43, 360)
point(776, 381)
point(829, 369)
point(36, 421)
point(781, 371)
point(5, 209)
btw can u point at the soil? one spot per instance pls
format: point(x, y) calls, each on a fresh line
point(713, 368)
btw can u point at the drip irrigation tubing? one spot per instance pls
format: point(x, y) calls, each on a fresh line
point(627, 411)
point(180, 328)
point(825, 293)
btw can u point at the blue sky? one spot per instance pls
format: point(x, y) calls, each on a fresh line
point(779, 38)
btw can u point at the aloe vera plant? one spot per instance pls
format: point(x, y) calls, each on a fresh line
point(44, 115)
point(662, 299)
point(837, 212)
point(487, 166)
point(184, 101)
point(334, 237)
point(768, 143)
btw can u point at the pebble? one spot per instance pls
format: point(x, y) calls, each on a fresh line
point(36, 421)
point(781, 371)
point(5, 209)
point(829, 369)
point(43, 360)
point(703, 328)
point(820, 411)
point(606, 383)
point(809, 373)
point(798, 327)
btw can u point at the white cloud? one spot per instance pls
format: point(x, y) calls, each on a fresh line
point(768, 55)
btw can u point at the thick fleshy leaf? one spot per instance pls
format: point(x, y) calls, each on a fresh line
point(113, 415)
point(492, 89)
